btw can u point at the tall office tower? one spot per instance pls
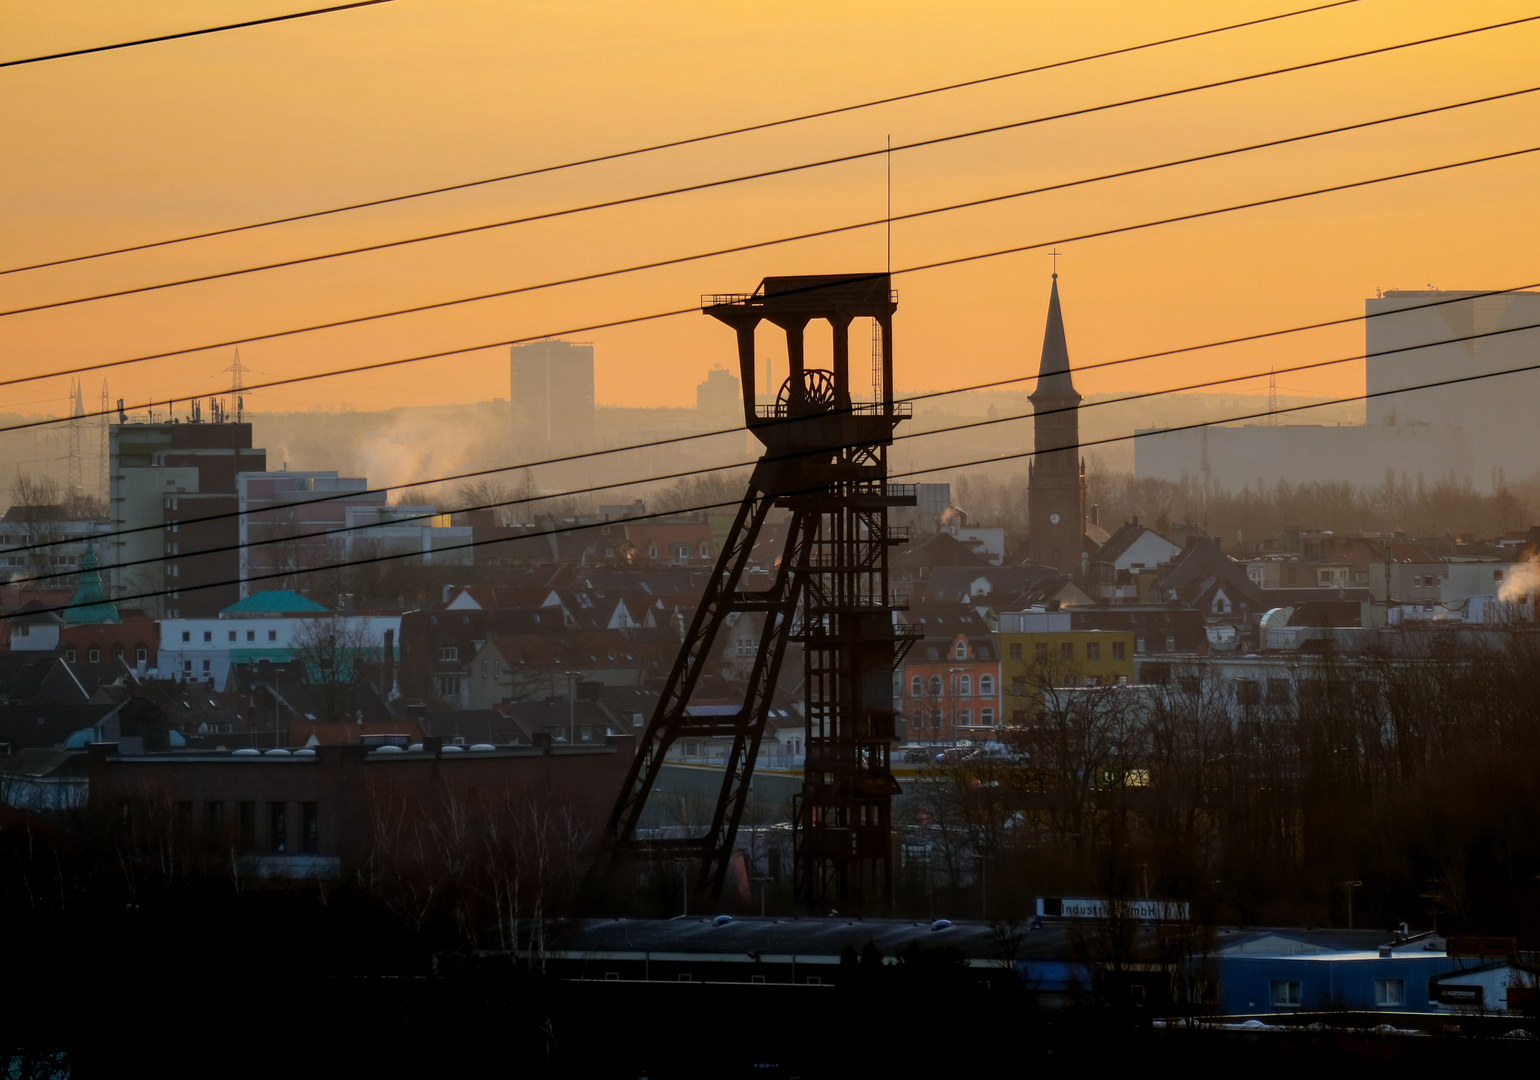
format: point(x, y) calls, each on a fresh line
point(1056, 477)
point(717, 399)
point(1418, 337)
point(166, 478)
point(552, 395)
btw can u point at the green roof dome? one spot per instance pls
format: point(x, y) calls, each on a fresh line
point(89, 605)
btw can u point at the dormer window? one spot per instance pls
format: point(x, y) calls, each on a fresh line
point(960, 651)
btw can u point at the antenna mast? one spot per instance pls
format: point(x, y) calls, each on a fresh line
point(104, 452)
point(77, 410)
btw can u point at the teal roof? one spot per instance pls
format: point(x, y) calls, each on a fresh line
point(273, 602)
point(90, 606)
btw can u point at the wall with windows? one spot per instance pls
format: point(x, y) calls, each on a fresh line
point(1030, 661)
point(1329, 980)
point(950, 689)
point(205, 649)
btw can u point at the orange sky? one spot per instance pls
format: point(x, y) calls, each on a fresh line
point(154, 141)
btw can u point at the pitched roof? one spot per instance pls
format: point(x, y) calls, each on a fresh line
point(90, 606)
point(273, 602)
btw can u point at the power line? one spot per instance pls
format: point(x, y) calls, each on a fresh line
point(378, 364)
point(763, 174)
point(190, 33)
point(679, 142)
point(1143, 395)
point(376, 559)
point(638, 267)
point(928, 395)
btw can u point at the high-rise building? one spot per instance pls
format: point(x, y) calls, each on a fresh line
point(551, 387)
point(1056, 477)
point(1414, 338)
point(718, 400)
point(165, 479)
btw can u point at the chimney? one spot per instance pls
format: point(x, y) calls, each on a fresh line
point(389, 648)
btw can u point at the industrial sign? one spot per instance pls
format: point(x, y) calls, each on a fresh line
point(1479, 946)
point(1467, 997)
point(1141, 910)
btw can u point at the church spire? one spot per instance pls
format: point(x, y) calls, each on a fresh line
point(1053, 377)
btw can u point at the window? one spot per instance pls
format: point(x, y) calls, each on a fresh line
point(278, 826)
point(1416, 584)
point(1284, 993)
point(747, 647)
point(232, 635)
point(1040, 652)
point(206, 667)
point(1277, 691)
point(1067, 651)
point(1119, 650)
point(251, 635)
point(966, 717)
point(1138, 644)
point(141, 655)
point(1018, 685)
point(1016, 650)
point(208, 635)
point(986, 686)
point(186, 667)
point(1388, 992)
point(69, 654)
point(310, 833)
point(1247, 692)
point(95, 656)
point(272, 635)
point(186, 636)
point(916, 686)
point(960, 651)
point(449, 652)
point(966, 686)
point(935, 686)
point(1093, 650)
point(987, 717)
point(705, 551)
point(652, 551)
point(176, 570)
point(117, 654)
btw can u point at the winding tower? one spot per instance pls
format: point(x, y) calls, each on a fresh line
point(826, 463)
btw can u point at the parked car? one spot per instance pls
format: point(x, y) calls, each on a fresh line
point(918, 754)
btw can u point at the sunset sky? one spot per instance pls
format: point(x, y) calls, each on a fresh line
point(151, 142)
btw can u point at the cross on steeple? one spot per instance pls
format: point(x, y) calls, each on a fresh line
point(1056, 253)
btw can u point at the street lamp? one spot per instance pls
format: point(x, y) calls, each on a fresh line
point(983, 888)
point(1350, 886)
point(952, 674)
point(572, 706)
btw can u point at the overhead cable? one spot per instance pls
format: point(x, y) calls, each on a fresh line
point(630, 200)
point(655, 316)
point(691, 140)
point(758, 244)
point(789, 455)
point(188, 34)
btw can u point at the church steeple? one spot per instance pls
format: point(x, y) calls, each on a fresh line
point(1056, 479)
point(1053, 376)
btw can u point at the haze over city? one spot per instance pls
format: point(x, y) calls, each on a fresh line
point(560, 520)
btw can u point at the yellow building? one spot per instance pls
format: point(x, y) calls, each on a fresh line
point(1039, 649)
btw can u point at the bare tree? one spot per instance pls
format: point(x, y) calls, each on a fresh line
point(335, 651)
